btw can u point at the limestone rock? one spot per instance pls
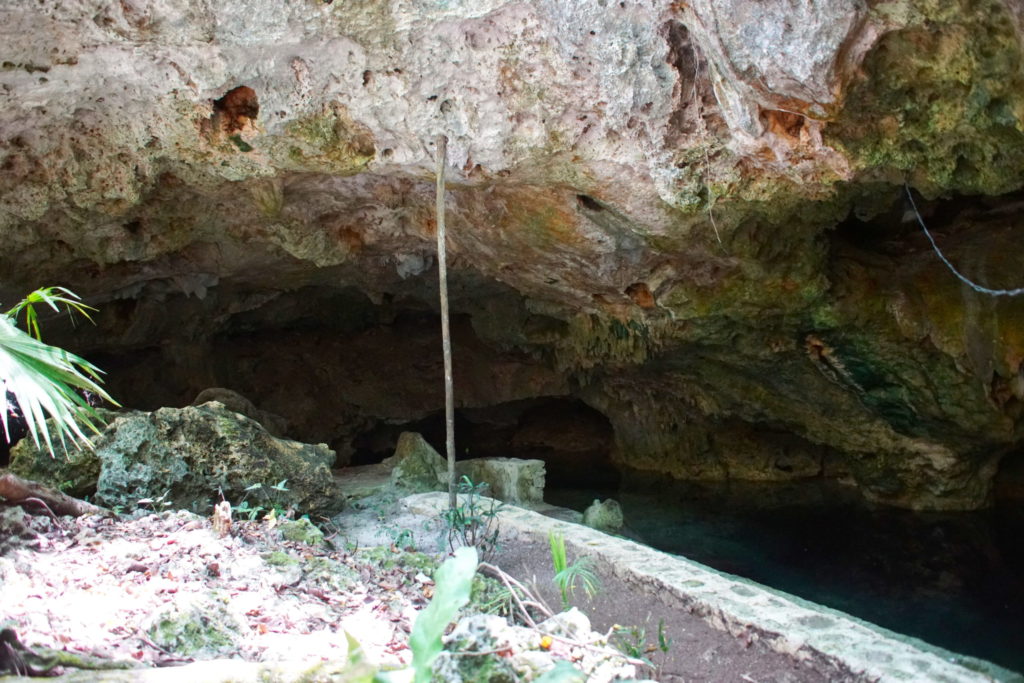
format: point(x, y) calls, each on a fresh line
point(512, 480)
point(604, 515)
point(572, 624)
point(485, 633)
point(191, 627)
point(74, 471)
point(232, 400)
point(775, 54)
point(689, 215)
point(189, 458)
point(301, 530)
point(416, 466)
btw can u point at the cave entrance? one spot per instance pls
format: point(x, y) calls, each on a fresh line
point(331, 365)
point(572, 439)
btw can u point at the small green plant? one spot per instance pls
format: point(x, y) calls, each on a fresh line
point(491, 596)
point(664, 642)
point(473, 522)
point(631, 640)
point(566, 575)
point(403, 539)
point(155, 503)
point(244, 508)
point(452, 585)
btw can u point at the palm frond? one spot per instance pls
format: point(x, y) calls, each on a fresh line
point(558, 556)
point(43, 380)
point(567, 574)
point(54, 297)
point(580, 569)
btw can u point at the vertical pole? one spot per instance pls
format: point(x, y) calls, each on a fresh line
point(446, 340)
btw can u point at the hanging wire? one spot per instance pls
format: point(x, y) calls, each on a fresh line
point(973, 285)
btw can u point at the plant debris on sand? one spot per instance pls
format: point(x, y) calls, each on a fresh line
point(166, 589)
point(169, 589)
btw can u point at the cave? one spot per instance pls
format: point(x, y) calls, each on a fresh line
point(354, 374)
point(572, 439)
point(677, 264)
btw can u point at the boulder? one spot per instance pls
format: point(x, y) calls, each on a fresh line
point(512, 480)
point(232, 400)
point(73, 471)
point(416, 466)
point(194, 627)
point(604, 515)
point(190, 458)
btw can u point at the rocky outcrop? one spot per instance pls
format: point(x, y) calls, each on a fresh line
point(604, 515)
point(417, 468)
point(232, 400)
point(690, 216)
point(190, 458)
point(509, 479)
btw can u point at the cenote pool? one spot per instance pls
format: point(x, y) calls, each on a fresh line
point(955, 580)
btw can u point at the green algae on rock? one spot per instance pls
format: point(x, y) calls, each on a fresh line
point(190, 458)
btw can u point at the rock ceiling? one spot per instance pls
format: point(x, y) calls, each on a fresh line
point(689, 216)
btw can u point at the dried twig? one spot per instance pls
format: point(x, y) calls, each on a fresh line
point(528, 599)
point(42, 504)
point(511, 584)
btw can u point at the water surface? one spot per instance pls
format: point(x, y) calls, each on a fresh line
point(955, 580)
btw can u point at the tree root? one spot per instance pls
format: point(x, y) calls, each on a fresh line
point(18, 491)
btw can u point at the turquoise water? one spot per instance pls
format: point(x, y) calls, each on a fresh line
point(955, 580)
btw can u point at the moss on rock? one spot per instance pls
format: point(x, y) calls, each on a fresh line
point(191, 457)
point(942, 104)
point(192, 629)
point(301, 531)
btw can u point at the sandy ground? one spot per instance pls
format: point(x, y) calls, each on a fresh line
point(119, 589)
point(105, 590)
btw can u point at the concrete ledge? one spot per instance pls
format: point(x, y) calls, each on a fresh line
point(788, 624)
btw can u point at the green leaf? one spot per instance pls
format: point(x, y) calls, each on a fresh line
point(54, 297)
point(453, 581)
point(43, 379)
point(558, 555)
point(564, 672)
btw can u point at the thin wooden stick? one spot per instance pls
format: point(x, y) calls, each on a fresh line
point(508, 580)
point(446, 339)
point(529, 599)
point(504, 578)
